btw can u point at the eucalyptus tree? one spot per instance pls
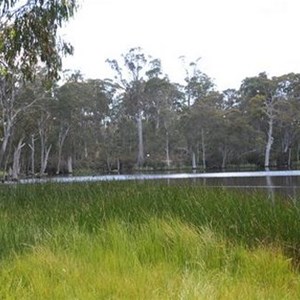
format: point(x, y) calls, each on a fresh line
point(80, 109)
point(232, 136)
point(245, 141)
point(130, 82)
point(198, 86)
point(17, 97)
point(263, 95)
point(28, 38)
point(22, 114)
point(10, 87)
point(288, 128)
point(35, 97)
point(164, 102)
point(199, 126)
point(96, 116)
point(29, 35)
point(197, 83)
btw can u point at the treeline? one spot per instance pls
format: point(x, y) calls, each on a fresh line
point(140, 119)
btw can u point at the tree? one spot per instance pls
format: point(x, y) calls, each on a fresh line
point(263, 92)
point(198, 86)
point(80, 112)
point(28, 35)
point(131, 84)
point(164, 101)
point(16, 98)
point(28, 38)
point(198, 124)
point(287, 131)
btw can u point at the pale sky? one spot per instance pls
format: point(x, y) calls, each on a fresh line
point(234, 38)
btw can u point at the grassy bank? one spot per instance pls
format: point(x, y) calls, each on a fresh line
point(146, 241)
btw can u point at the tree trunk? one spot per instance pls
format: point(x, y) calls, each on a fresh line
point(6, 135)
point(86, 153)
point(270, 140)
point(32, 148)
point(224, 157)
point(43, 138)
point(63, 132)
point(70, 165)
point(44, 160)
point(167, 150)
point(118, 166)
point(108, 164)
point(16, 161)
point(194, 162)
point(141, 157)
point(289, 157)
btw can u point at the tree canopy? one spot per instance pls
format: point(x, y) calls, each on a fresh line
point(141, 120)
point(29, 35)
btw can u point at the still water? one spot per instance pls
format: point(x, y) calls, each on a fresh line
point(280, 182)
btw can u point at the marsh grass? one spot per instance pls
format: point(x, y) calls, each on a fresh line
point(146, 241)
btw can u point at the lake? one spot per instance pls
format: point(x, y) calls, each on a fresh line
point(284, 182)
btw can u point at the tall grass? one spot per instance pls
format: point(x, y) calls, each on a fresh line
point(146, 241)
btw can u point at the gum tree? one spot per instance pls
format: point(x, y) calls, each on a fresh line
point(130, 82)
point(28, 39)
point(197, 87)
point(29, 35)
point(264, 96)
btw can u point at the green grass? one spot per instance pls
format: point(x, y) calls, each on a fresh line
point(146, 241)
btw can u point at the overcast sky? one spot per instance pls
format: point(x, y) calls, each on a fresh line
point(234, 38)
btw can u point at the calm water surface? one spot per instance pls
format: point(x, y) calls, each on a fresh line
point(280, 182)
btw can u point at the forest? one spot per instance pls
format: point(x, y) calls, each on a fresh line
point(58, 122)
point(140, 120)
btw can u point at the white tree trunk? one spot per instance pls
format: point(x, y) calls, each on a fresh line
point(141, 157)
point(43, 138)
point(10, 109)
point(168, 161)
point(32, 148)
point(7, 128)
point(16, 162)
point(108, 163)
point(44, 160)
point(86, 153)
point(269, 142)
point(194, 162)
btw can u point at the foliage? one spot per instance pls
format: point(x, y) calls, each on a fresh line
point(28, 34)
point(142, 120)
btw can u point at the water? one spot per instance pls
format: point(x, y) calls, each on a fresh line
point(284, 182)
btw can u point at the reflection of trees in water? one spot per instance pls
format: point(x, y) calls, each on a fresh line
point(270, 185)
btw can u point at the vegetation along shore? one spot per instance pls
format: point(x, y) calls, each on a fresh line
point(120, 240)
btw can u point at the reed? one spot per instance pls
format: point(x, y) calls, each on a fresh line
point(134, 240)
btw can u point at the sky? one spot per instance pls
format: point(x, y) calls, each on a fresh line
point(234, 38)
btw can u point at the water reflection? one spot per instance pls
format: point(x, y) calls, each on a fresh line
point(285, 182)
point(270, 188)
